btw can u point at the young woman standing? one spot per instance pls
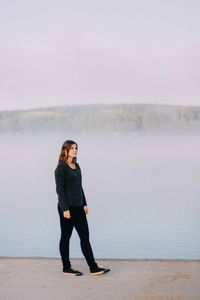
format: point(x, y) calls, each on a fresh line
point(72, 209)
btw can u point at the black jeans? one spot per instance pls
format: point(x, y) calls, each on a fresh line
point(79, 221)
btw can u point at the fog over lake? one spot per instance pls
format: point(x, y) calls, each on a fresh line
point(142, 192)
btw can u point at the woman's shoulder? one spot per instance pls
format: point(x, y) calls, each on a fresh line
point(77, 164)
point(61, 166)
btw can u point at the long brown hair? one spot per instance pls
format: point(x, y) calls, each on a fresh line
point(66, 146)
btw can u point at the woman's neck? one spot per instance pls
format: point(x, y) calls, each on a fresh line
point(69, 161)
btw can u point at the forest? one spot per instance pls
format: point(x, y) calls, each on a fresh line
point(102, 118)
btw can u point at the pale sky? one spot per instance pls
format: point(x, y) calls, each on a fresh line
point(87, 51)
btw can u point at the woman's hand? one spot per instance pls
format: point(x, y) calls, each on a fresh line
point(85, 209)
point(66, 214)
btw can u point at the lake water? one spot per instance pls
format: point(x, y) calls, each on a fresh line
point(143, 194)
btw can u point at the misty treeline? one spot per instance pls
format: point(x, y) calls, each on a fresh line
point(102, 118)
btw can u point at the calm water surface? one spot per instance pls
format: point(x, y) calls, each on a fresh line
point(143, 194)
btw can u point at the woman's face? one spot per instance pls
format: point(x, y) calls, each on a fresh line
point(73, 151)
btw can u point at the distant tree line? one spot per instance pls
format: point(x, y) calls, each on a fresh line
point(98, 118)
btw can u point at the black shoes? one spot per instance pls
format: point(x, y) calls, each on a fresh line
point(72, 272)
point(98, 271)
point(93, 271)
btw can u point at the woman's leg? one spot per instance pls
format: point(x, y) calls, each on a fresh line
point(66, 226)
point(81, 225)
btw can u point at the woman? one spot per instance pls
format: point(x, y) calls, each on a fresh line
point(72, 209)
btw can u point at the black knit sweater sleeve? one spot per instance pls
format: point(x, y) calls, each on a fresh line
point(82, 191)
point(84, 199)
point(60, 187)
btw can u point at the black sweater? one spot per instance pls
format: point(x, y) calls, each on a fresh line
point(69, 186)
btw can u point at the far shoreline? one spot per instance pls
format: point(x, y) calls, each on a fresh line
point(107, 259)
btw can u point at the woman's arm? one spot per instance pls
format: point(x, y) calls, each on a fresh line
point(84, 202)
point(60, 187)
point(84, 199)
point(85, 207)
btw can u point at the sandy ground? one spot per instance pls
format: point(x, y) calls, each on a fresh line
point(42, 278)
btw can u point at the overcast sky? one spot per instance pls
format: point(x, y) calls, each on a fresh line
point(74, 52)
